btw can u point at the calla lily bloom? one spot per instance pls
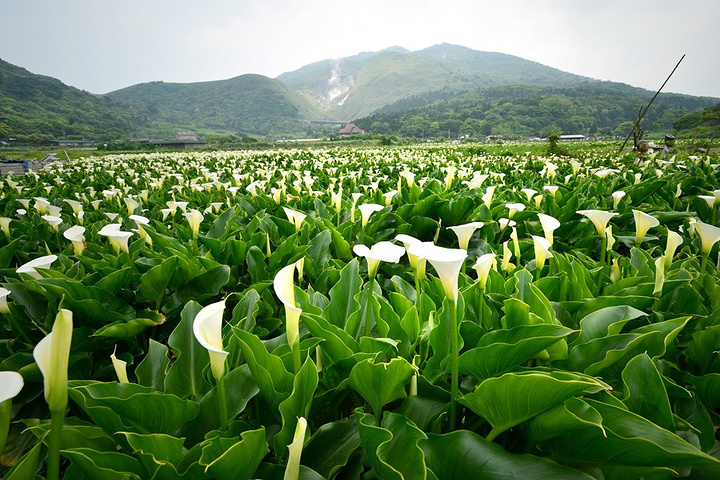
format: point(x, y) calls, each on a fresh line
point(54, 221)
point(488, 195)
point(507, 256)
point(542, 251)
point(709, 199)
point(355, 197)
point(610, 238)
point(599, 218)
point(504, 222)
point(10, 385)
point(659, 275)
point(139, 222)
point(674, 240)
point(549, 225)
point(4, 292)
point(5, 225)
point(75, 235)
point(643, 223)
point(514, 208)
point(367, 209)
point(551, 189)
point(285, 290)
point(292, 470)
point(118, 238)
point(709, 235)
point(294, 217)
point(131, 205)
point(617, 196)
point(418, 264)
point(207, 328)
point(516, 242)
point(194, 218)
point(389, 196)
point(52, 356)
point(482, 266)
point(446, 261)
point(465, 232)
point(75, 205)
point(380, 252)
point(529, 192)
point(120, 367)
point(40, 262)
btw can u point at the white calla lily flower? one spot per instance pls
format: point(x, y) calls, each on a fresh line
point(40, 262)
point(380, 252)
point(542, 251)
point(643, 223)
point(709, 235)
point(52, 355)
point(207, 328)
point(447, 263)
point(549, 225)
point(674, 240)
point(465, 232)
point(599, 218)
point(482, 266)
point(4, 292)
point(194, 218)
point(367, 209)
point(76, 235)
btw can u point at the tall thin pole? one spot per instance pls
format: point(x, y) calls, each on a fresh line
point(643, 112)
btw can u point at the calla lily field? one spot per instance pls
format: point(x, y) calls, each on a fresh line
point(430, 312)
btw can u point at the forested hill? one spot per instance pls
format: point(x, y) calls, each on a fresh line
point(36, 107)
point(590, 108)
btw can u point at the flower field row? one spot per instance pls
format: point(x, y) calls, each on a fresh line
point(399, 313)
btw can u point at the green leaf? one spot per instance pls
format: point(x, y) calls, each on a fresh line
point(342, 295)
point(275, 383)
point(381, 383)
point(466, 455)
point(707, 387)
point(501, 350)
point(154, 282)
point(573, 414)
point(185, 378)
point(233, 459)
point(140, 408)
point(338, 344)
point(392, 448)
point(606, 321)
point(645, 392)
point(256, 265)
point(26, 467)
point(158, 454)
point(513, 398)
point(152, 369)
point(331, 446)
point(626, 439)
point(127, 330)
point(105, 465)
point(704, 347)
point(296, 405)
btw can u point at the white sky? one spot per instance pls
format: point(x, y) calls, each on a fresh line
point(105, 45)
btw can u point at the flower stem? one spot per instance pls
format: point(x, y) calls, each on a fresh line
point(603, 247)
point(222, 403)
point(53, 460)
point(368, 305)
point(454, 366)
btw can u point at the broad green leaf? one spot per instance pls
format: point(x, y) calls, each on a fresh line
point(645, 392)
point(88, 304)
point(256, 264)
point(392, 448)
point(154, 282)
point(130, 329)
point(572, 414)
point(246, 310)
point(184, 377)
point(342, 295)
point(513, 398)
point(707, 387)
point(27, 466)
point(381, 383)
point(338, 344)
point(501, 350)
point(331, 446)
point(296, 405)
point(77, 434)
point(141, 408)
point(273, 380)
point(105, 465)
point(466, 455)
point(704, 348)
point(114, 281)
point(158, 454)
point(606, 321)
point(626, 439)
point(152, 369)
point(233, 458)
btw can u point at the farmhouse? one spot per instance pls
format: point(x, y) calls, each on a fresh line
point(351, 129)
point(571, 138)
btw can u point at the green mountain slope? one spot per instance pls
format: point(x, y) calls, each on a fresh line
point(589, 108)
point(705, 123)
point(246, 104)
point(357, 86)
point(36, 107)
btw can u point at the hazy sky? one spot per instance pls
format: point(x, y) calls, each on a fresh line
point(104, 45)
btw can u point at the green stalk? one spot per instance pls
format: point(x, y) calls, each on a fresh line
point(5, 410)
point(703, 263)
point(296, 356)
point(222, 403)
point(603, 247)
point(455, 351)
point(368, 305)
point(53, 461)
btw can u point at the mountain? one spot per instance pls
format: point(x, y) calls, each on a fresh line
point(357, 86)
point(36, 107)
point(441, 90)
point(590, 107)
point(248, 104)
